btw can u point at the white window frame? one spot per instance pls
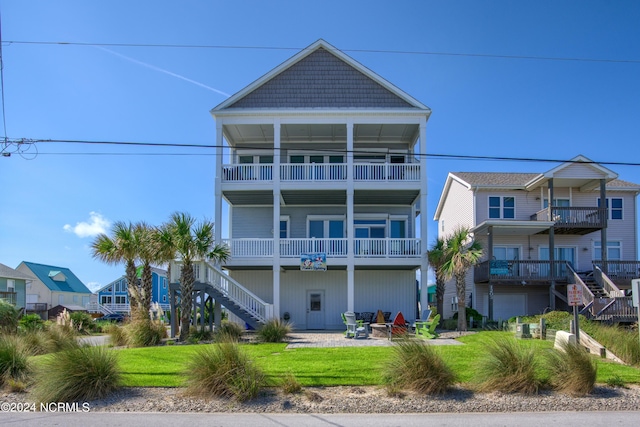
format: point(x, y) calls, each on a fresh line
point(597, 244)
point(326, 219)
point(287, 220)
point(501, 207)
point(326, 156)
point(11, 285)
point(400, 218)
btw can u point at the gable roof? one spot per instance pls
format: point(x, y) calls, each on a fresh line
point(320, 76)
point(154, 270)
point(70, 284)
point(9, 273)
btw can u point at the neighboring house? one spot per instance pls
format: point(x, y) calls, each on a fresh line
point(317, 160)
point(533, 247)
point(53, 286)
point(115, 297)
point(13, 285)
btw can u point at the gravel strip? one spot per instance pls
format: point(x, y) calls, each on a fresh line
point(359, 400)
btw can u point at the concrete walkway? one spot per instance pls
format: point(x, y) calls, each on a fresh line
point(302, 339)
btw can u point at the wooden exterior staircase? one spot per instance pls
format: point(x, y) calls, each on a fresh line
point(602, 299)
point(212, 283)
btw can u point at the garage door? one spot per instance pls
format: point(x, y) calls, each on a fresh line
point(507, 305)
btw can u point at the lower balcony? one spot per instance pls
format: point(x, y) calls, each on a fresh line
point(517, 272)
point(620, 272)
point(333, 247)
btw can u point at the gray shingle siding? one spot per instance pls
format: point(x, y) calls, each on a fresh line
point(321, 80)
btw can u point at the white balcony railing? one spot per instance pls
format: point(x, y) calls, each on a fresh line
point(324, 172)
point(334, 248)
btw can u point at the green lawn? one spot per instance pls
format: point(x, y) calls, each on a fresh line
point(162, 366)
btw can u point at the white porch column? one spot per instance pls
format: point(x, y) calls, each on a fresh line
point(275, 174)
point(217, 217)
point(424, 221)
point(350, 223)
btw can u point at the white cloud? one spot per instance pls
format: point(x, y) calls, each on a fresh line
point(94, 286)
point(97, 224)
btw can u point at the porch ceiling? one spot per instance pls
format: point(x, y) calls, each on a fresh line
point(512, 228)
point(239, 198)
point(385, 197)
point(261, 135)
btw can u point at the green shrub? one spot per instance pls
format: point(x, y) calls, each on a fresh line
point(14, 360)
point(290, 384)
point(275, 330)
point(31, 322)
point(197, 334)
point(117, 335)
point(616, 381)
point(449, 324)
point(145, 333)
point(417, 366)
point(223, 370)
point(471, 314)
point(508, 367)
point(60, 337)
point(228, 332)
point(572, 370)
point(82, 322)
point(8, 318)
point(621, 341)
point(86, 373)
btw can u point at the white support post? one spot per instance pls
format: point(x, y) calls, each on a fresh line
point(424, 221)
point(350, 220)
point(218, 184)
point(276, 217)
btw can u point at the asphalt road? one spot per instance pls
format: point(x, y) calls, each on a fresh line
point(521, 419)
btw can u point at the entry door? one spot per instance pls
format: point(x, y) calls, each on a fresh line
point(315, 310)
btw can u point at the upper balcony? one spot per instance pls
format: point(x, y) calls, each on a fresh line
point(573, 220)
point(322, 172)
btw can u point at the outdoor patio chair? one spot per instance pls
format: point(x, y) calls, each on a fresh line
point(353, 329)
point(398, 326)
point(427, 329)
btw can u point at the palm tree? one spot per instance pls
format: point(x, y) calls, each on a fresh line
point(122, 246)
point(436, 256)
point(191, 241)
point(461, 253)
point(148, 254)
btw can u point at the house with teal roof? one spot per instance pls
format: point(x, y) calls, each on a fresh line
point(54, 286)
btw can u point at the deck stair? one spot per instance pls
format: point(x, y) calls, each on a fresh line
point(236, 299)
point(596, 288)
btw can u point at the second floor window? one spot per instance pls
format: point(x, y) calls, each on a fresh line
point(614, 205)
point(503, 207)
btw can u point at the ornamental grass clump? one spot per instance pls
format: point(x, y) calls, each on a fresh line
point(145, 333)
point(14, 360)
point(86, 373)
point(572, 370)
point(117, 335)
point(290, 384)
point(223, 370)
point(228, 332)
point(508, 367)
point(417, 366)
point(275, 330)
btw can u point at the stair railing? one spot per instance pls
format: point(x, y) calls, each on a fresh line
point(236, 293)
point(587, 295)
point(605, 282)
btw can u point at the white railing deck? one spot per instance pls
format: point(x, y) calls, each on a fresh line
point(314, 172)
point(338, 247)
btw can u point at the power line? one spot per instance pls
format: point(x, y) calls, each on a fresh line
point(345, 151)
point(397, 52)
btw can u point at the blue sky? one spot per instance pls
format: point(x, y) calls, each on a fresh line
point(487, 95)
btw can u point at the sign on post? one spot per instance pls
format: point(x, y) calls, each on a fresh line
point(635, 292)
point(574, 295)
